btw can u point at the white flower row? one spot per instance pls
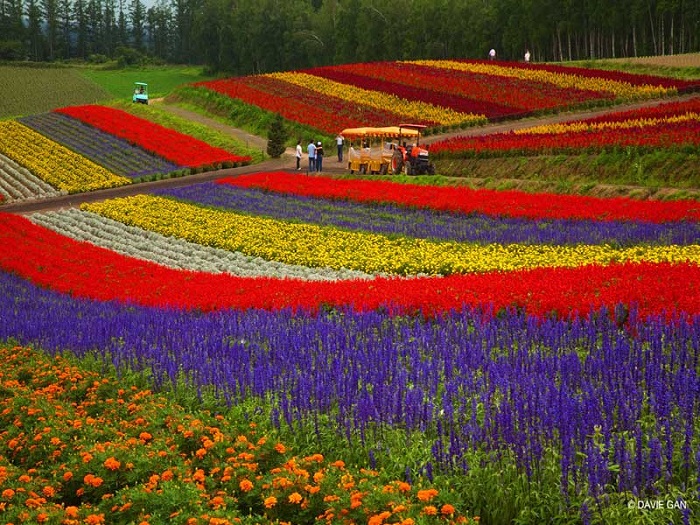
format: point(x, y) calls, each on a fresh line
point(18, 183)
point(176, 253)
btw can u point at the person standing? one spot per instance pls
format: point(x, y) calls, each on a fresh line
point(311, 150)
point(492, 54)
point(527, 56)
point(299, 154)
point(319, 157)
point(339, 141)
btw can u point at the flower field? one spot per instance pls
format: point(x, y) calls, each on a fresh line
point(84, 148)
point(279, 348)
point(164, 142)
point(672, 126)
point(529, 339)
point(438, 94)
point(53, 163)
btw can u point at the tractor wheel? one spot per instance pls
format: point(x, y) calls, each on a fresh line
point(397, 163)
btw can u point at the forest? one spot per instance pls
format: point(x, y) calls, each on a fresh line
point(258, 36)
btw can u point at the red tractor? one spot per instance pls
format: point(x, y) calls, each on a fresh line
point(411, 159)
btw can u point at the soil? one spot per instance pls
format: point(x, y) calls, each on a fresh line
point(332, 167)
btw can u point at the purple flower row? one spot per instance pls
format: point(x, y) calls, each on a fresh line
point(115, 154)
point(618, 407)
point(390, 219)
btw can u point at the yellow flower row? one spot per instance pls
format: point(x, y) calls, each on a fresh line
point(52, 162)
point(620, 89)
point(324, 246)
point(416, 110)
point(553, 129)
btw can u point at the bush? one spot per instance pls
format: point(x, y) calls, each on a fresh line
point(277, 137)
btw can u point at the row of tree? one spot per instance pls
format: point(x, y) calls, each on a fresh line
point(252, 36)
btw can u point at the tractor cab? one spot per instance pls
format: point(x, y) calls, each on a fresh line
point(412, 158)
point(140, 93)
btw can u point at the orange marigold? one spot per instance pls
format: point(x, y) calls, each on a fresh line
point(72, 512)
point(295, 497)
point(279, 447)
point(246, 485)
point(198, 475)
point(447, 510)
point(270, 502)
point(112, 463)
point(427, 494)
point(95, 519)
point(430, 510)
point(8, 494)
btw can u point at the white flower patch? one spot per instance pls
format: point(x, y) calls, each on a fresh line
point(177, 253)
point(18, 183)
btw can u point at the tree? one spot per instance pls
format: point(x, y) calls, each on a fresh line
point(137, 16)
point(277, 136)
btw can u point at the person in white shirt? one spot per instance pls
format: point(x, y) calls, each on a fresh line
point(527, 55)
point(311, 149)
point(299, 153)
point(339, 141)
point(492, 54)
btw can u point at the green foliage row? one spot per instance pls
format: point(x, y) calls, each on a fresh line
point(242, 115)
point(25, 90)
point(210, 136)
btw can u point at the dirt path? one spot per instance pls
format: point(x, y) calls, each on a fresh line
point(287, 161)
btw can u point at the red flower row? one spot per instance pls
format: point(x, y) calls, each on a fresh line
point(468, 201)
point(165, 142)
point(616, 76)
point(298, 104)
point(87, 271)
point(660, 135)
point(658, 111)
point(461, 90)
point(378, 77)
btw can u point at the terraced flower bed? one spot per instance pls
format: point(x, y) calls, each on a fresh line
point(669, 126)
point(439, 94)
point(164, 142)
point(117, 155)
